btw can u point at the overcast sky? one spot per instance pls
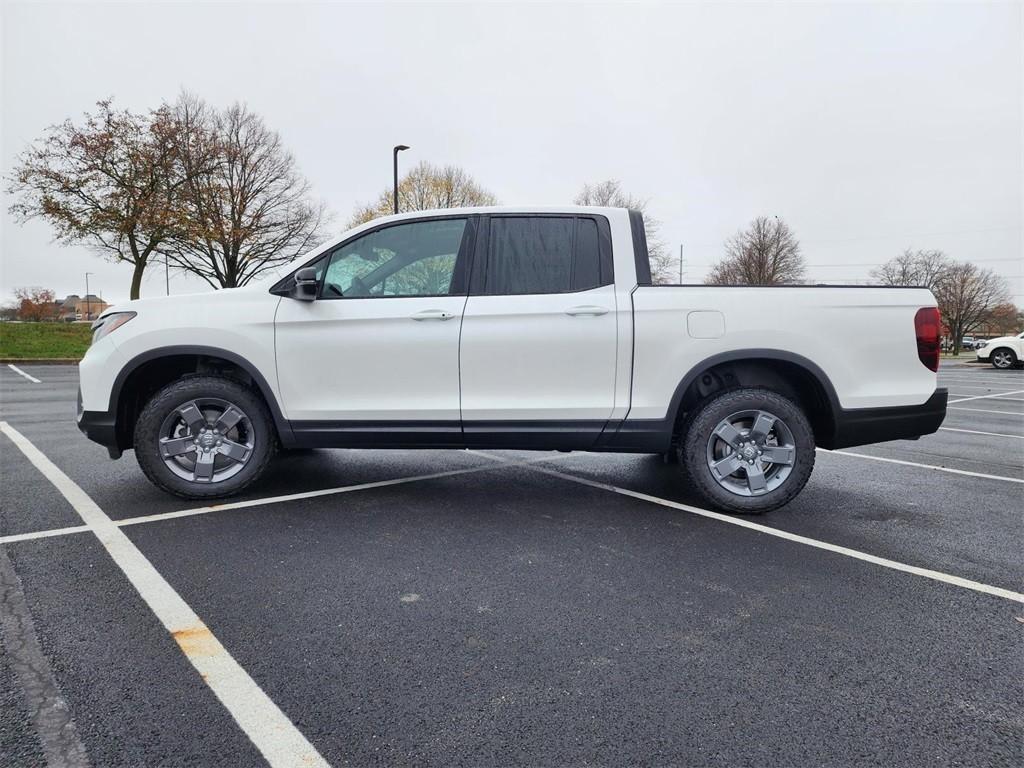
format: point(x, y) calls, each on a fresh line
point(868, 128)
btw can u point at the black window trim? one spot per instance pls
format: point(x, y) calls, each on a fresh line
point(478, 270)
point(460, 275)
point(641, 256)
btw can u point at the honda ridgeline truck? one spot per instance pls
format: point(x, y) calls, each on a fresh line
point(524, 328)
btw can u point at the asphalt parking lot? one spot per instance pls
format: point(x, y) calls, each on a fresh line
point(499, 608)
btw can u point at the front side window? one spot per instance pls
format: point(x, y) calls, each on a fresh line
point(413, 259)
point(542, 254)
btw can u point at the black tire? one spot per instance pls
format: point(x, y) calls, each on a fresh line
point(696, 447)
point(257, 427)
point(1001, 354)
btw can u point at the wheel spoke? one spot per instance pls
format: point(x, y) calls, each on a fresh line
point(727, 432)
point(728, 465)
point(192, 416)
point(755, 478)
point(778, 454)
point(228, 419)
point(234, 451)
point(762, 426)
point(176, 446)
point(204, 466)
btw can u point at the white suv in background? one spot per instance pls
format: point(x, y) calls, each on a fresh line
point(1004, 352)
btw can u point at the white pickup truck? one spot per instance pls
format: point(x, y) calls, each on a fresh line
point(525, 328)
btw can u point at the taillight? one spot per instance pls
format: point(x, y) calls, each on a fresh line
point(928, 328)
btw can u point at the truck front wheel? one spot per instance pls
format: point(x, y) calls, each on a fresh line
point(748, 450)
point(1003, 358)
point(204, 437)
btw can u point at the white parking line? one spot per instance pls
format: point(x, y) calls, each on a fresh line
point(977, 432)
point(996, 396)
point(744, 523)
point(269, 729)
point(20, 372)
point(924, 466)
point(983, 410)
point(11, 538)
point(996, 382)
point(958, 385)
point(227, 506)
point(992, 397)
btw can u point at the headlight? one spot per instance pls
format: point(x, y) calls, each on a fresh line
point(108, 323)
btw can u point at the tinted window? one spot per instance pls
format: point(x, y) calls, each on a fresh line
point(544, 254)
point(586, 265)
point(414, 259)
point(529, 255)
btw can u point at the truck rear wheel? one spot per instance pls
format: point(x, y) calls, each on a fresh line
point(204, 437)
point(748, 450)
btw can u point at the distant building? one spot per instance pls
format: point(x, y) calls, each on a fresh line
point(76, 307)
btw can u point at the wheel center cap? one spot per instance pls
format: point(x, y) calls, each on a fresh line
point(207, 440)
point(748, 451)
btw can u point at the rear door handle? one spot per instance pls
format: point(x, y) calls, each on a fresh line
point(587, 310)
point(433, 314)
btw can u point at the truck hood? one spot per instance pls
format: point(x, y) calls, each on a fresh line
point(184, 300)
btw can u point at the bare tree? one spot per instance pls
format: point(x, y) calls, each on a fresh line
point(425, 188)
point(922, 268)
point(109, 183)
point(664, 267)
point(967, 295)
point(246, 207)
point(765, 253)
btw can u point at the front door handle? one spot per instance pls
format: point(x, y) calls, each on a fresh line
point(433, 314)
point(591, 310)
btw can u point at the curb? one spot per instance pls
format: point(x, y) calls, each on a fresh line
point(40, 360)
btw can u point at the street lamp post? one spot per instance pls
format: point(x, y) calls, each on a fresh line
point(88, 310)
point(394, 158)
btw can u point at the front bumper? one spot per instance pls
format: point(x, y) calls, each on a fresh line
point(860, 426)
point(100, 427)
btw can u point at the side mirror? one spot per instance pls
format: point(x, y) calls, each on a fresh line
point(305, 284)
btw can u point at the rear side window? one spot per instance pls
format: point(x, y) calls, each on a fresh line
point(542, 254)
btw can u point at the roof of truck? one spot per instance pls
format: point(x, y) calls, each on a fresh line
point(499, 209)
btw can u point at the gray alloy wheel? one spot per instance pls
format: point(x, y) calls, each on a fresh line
point(748, 450)
point(206, 440)
point(1003, 358)
point(204, 436)
point(751, 453)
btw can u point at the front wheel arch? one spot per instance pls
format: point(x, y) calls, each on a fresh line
point(147, 373)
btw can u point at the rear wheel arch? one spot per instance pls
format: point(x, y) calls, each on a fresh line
point(147, 373)
point(787, 373)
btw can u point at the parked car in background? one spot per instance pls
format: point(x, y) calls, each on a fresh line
point(512, 328)
point(1004, 352)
